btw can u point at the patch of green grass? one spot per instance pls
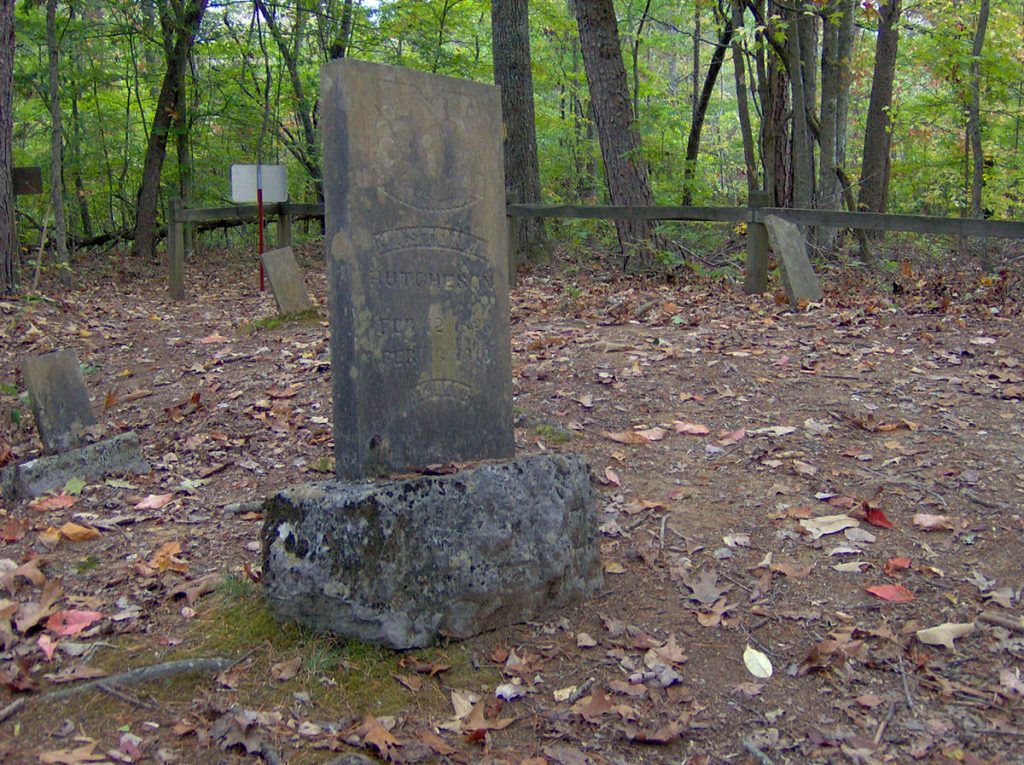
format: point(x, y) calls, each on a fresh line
point(553, 434)
point(310, 316)
point(86, 564)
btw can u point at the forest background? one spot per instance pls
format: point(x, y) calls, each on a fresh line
point(918, 105)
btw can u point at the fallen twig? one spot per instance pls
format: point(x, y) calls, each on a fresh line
point(144, 674)
point(11, 708)
point(127, 698)
point(580, 692)
point(1016, 625)
point(758, 755)
point(906, 686)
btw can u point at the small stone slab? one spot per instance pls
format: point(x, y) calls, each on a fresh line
point(60, 401)
point(798, 277)
point(407, 562)
point(119, 455)
point(286, 281)
point(417, 269)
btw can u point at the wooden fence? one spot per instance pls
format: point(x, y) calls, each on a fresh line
point(753, 215)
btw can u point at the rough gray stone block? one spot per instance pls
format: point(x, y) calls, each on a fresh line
point(406, 562)
point(113, 456)
point(286, 281)
point(798, 277)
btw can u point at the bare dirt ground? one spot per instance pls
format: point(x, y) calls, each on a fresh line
point(832, 495)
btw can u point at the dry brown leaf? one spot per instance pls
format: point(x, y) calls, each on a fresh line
point(164, 559)
point(477, 721)
point(77, 533)
point(56, 502)
point(154, 501)
point(690, 428)
point(286, 670)
point(627, 437)
point(84, 753)
point(929, 522)
point(30, 614)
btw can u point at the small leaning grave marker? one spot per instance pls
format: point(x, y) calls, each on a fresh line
point(286, 281)
point(60, 401)
point(417, 269)
point(798, 277)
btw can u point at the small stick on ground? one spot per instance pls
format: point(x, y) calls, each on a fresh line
point(906, 686)
point(758, 755)
point(127, 698)
point(580, 692)
point(143, 674)
point(1007, 622)
point(11, 708)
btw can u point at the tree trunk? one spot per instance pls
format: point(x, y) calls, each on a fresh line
point(874, 174)
point(636, 58)
point(339, 48)
point(844, 53)
point(624, 169)
point(181, 30)
point(697, 125)
point(76, 149)
point(8, 237)
point(60, 230)
point(974, 113)
point(742, 109)
point(803, 147)
point(510, 29)
point(827, 197)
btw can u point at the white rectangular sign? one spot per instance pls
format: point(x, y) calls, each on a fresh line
point(272, 178)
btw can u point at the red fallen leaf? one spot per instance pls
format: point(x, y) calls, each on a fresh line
point(70, 622)
point(14, 530)
point(690, 428)
point(894, 593)
point(47, 646)
point(894, 565)
point(476, 736)
point(876, 517)
point(56, 502)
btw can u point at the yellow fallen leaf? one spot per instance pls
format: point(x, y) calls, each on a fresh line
point(611, 567)
point(50, 537)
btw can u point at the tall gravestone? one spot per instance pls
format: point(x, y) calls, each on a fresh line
point(418, 275)
point(60, 401)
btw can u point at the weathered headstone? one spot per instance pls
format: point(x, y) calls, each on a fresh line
point(60, 401)
point(286, 281)
point(798, 277)
point(407, 562)
point(418, 272)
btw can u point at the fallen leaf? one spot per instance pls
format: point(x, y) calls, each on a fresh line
point(50, 536)
point(730, 437)
point(412, 682)
point(77, 533)
point(627, 437)
point(375, 735)
point(894, 593)
point(828, 524)
point(477, 721)
point(665, 734)
point(286, 670)
point(945, 634)
point(74, 486)
point(154, 502)
point(84, 753)
point(757, 663)
point(592, 708)
point(193, 591)
point(653, 434)
point(47, 646)
point(583, 640)
point(164, 559)
point(690, 428)
point(894, 565)
point(928, 522)
point(876, 517)
point(71, 622)
point(612, 477)
point(55, 502)
point(705, 588)
point(30, 614)
point(14, 529)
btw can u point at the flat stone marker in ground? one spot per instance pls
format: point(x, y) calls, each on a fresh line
point(789, 245)
point(417, 269)
point(60, 401)
point(286, 281)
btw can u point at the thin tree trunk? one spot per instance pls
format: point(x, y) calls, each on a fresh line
point(60, 230)
point(182, 31)
point(76, 151)
point(636, 58)
point(803, 161)
point(695, 75)
point(828, 184)
point(339, 48)
point(624, 169)
point(510, 29)
point(697, 125)
point(874, 175)
point(844, 55)
point(742, 108)
point(974, 112)
point(8, 236)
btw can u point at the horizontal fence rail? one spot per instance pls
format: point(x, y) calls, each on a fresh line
point(754, 214)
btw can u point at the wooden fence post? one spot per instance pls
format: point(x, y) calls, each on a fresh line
point(512, 231)
point(176, 250)
point(284, 226)
point(756, 280)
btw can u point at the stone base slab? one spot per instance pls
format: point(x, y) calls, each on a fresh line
point(113, 456)
point(407, 562)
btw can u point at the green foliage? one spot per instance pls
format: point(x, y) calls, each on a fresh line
point(243, 102)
